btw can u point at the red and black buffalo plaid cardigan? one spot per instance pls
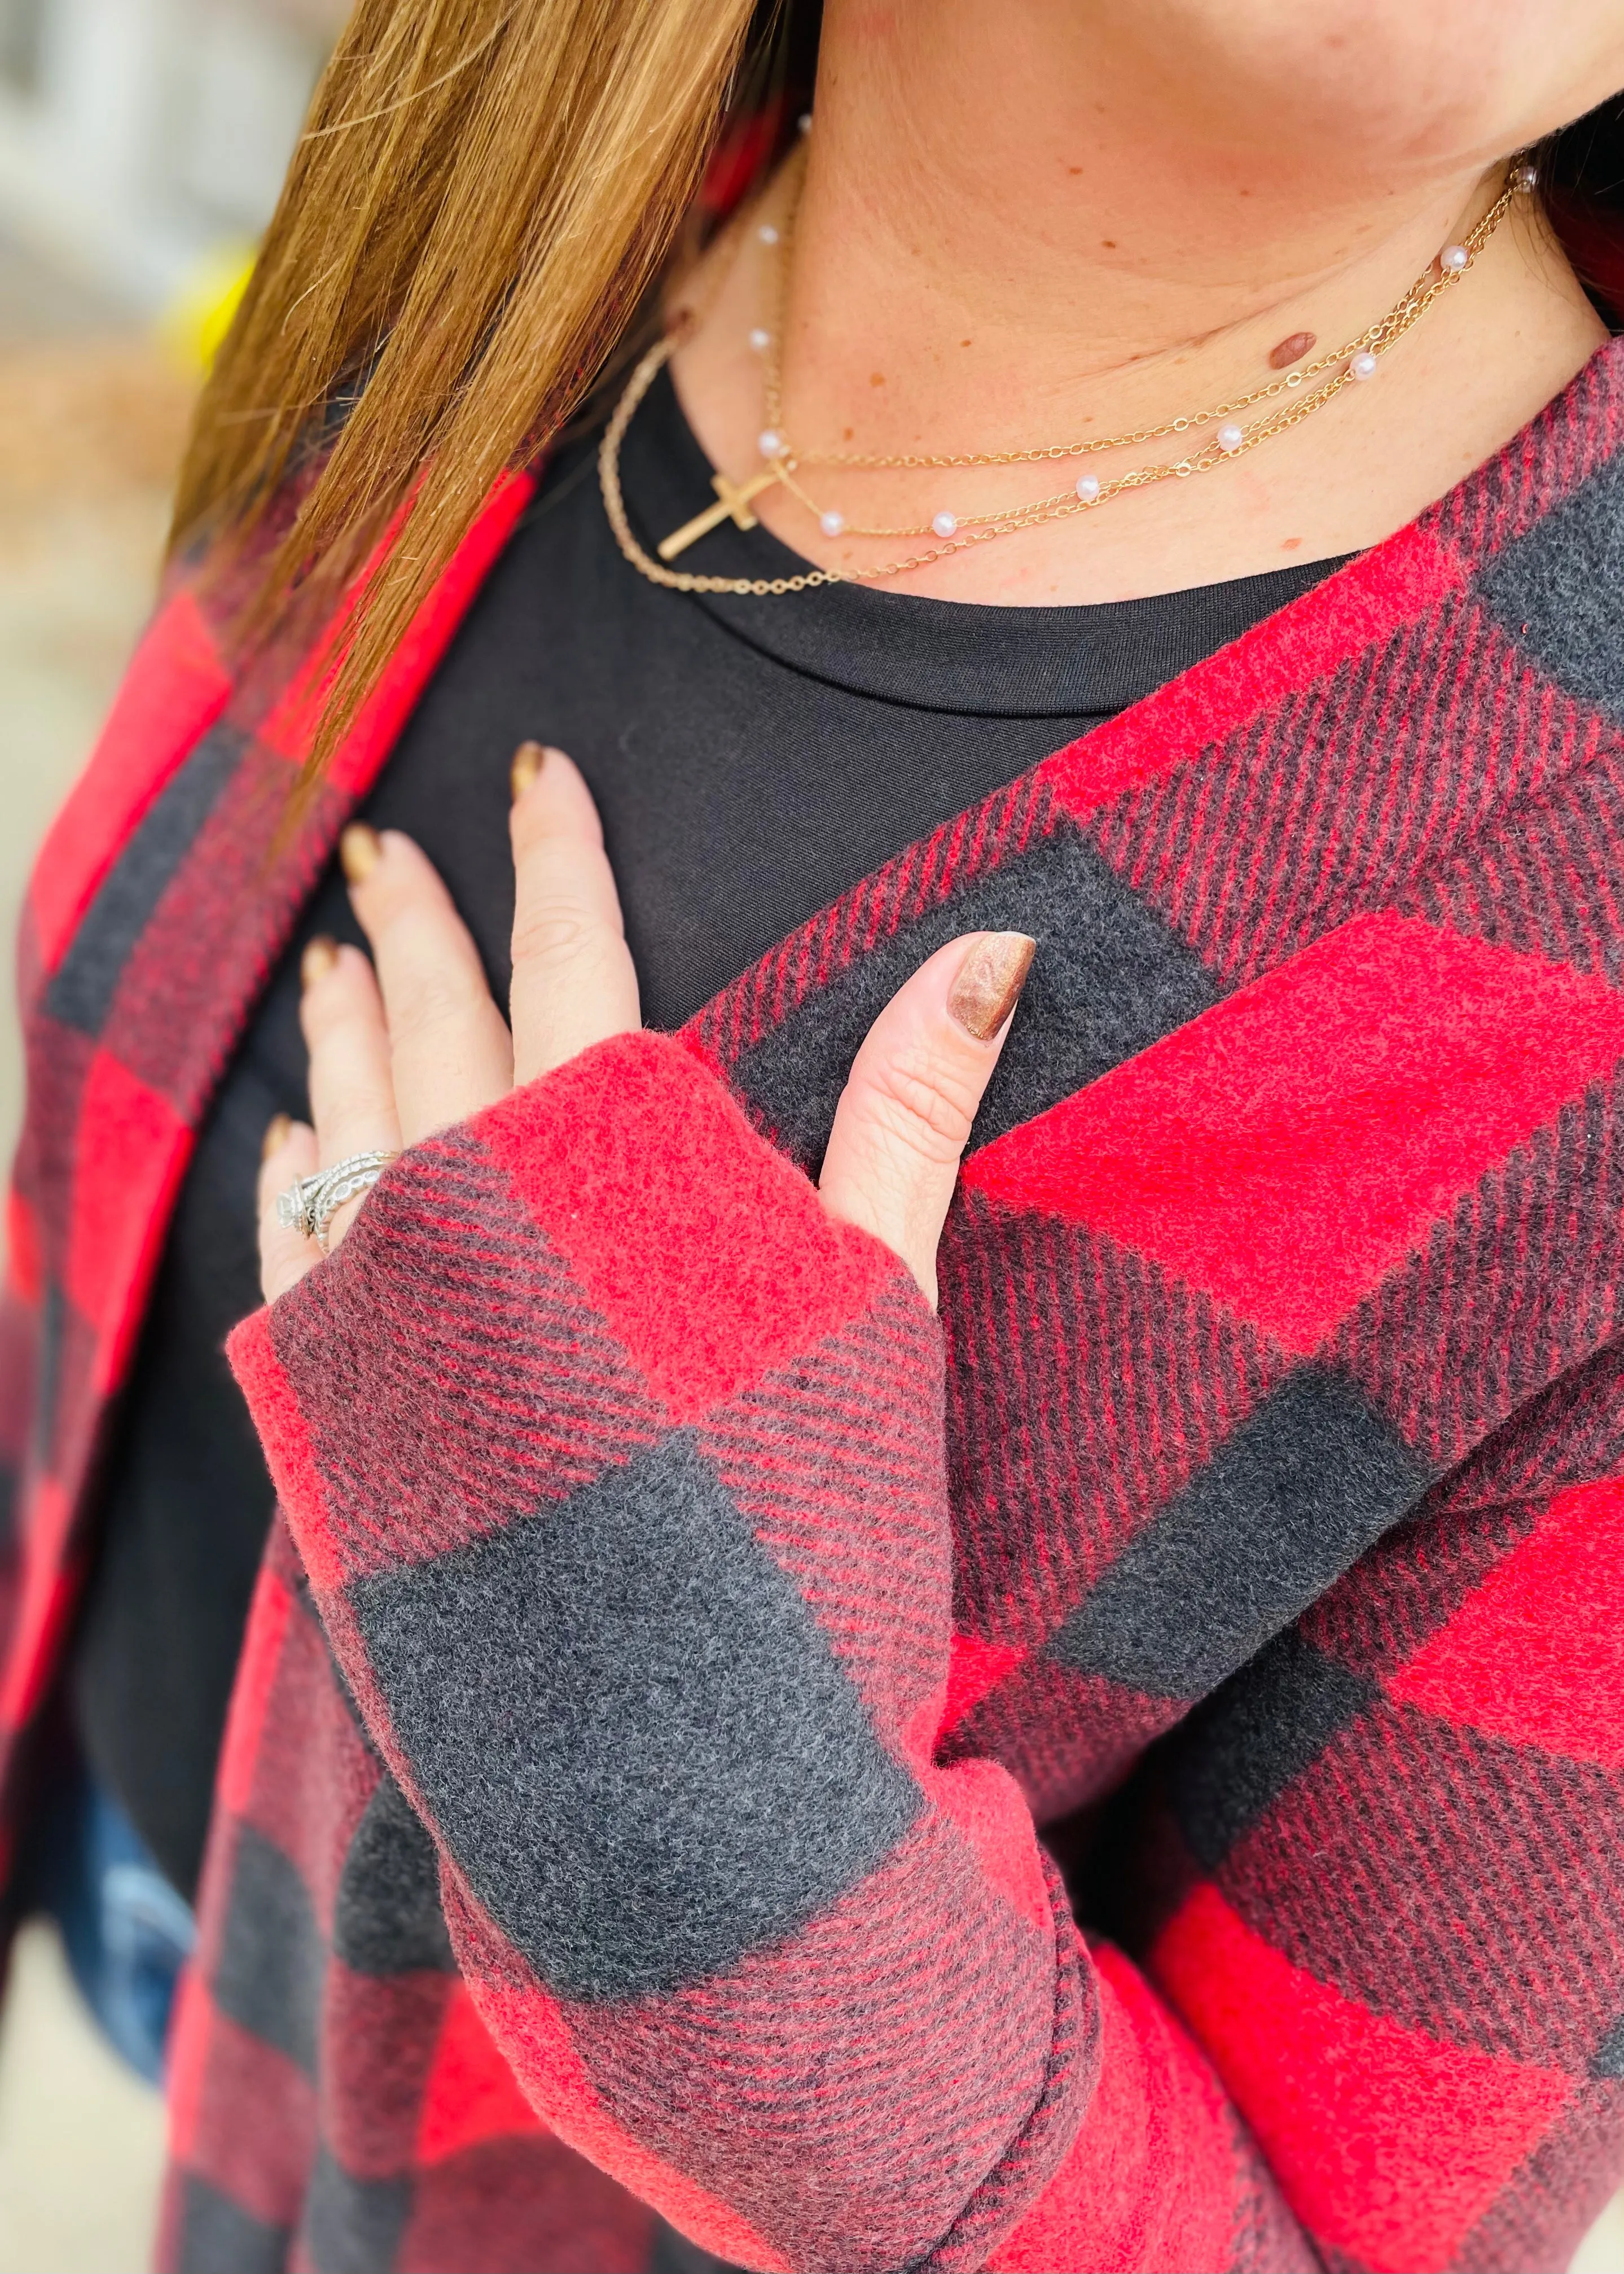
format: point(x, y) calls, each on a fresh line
point(626, 1839)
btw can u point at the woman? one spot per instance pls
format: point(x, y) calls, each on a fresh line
point(1159, 506)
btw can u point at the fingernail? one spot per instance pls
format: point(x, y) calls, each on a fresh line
point(318, 959)
point(276, 1136)
point(529, 760)
point(989, 981)
point(360, 851)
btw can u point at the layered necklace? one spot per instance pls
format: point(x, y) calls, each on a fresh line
point(1219, 434)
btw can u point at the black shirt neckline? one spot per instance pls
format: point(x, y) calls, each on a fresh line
point(965, 657)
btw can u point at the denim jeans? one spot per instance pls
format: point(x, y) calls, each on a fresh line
point(126, 1931)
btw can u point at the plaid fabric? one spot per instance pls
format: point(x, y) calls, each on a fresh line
point(695, 1716)
point(165, 890)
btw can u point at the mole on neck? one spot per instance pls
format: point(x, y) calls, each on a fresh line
point(1042, 223)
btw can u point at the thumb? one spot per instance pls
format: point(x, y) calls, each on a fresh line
point(912, 1094)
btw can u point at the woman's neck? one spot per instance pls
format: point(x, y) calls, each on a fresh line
point(983, 261)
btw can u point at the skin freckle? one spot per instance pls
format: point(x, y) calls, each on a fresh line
point(876, 379)
point(1290, 350)
point(1108, 243)
point(1289, 544)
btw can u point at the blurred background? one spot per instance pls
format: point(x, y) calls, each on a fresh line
point(142, 144)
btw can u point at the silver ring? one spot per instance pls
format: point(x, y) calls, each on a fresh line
point(310, 1204)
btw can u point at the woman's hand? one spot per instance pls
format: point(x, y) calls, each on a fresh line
point(412, 1042)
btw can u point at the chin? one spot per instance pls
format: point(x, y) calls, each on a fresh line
point(1360, 90)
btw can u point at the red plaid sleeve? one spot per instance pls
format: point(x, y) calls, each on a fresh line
point(618, 1471)
point(1397, 1852)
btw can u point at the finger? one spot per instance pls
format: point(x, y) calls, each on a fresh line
point(351, 1092)
point(573, 981)
point(913, 1092)
point(449, 1045)
point(285, 1255)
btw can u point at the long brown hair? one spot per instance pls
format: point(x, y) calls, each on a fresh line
point(483, 194)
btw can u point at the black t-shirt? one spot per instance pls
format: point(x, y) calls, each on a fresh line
point(751, 759)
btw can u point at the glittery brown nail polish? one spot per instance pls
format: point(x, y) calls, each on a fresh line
point(360, 851)
point(989, 981)
point(276, 1136)
point(318, 959)
point(529, 760)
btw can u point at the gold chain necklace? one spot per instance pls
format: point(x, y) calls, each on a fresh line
point(1355, 361)
point(734, 499)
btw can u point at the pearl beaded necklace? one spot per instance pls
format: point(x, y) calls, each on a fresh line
point(1355, 362)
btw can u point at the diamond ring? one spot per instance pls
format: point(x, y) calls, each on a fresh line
point(310, 1204)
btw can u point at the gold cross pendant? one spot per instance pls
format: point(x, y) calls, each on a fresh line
point(734, 499)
